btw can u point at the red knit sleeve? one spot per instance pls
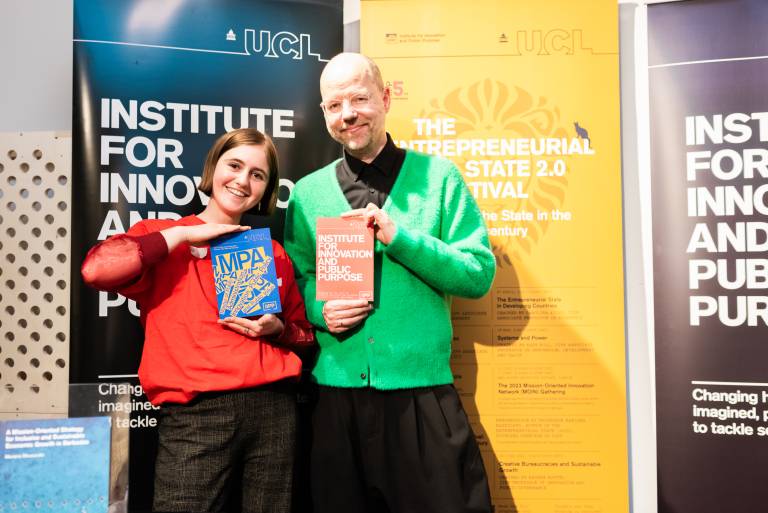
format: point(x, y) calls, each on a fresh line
point(298, 332)
point(119, 263)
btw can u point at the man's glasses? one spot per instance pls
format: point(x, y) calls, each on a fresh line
point(358, 101)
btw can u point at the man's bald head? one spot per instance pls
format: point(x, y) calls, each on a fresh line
point(347, 65)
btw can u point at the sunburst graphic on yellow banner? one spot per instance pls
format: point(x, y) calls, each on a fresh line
point(513, 187)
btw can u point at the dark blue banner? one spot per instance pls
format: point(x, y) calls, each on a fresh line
point(708, 76)
point(155, 83)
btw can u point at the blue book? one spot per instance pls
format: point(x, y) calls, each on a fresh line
point(245, 276)
point(59, 465)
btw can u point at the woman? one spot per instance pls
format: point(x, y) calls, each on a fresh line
point(228, 415)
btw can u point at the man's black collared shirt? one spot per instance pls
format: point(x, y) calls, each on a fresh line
point(370, 183)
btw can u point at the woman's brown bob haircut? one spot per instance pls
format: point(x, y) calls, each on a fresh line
point(245, 137)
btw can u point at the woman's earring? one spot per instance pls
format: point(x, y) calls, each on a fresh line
point(258, 205)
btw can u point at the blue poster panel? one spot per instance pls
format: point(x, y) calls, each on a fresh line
point(708, 72)
point(57, 465)
point(155, 83)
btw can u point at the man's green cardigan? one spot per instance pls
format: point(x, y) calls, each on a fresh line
point(440, 250)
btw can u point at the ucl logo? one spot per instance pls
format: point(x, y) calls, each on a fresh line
point(282, 43)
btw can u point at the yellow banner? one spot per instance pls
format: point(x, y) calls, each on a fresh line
point(524, 98)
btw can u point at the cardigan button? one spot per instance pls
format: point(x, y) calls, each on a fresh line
point(362, 375)
point(370, 340)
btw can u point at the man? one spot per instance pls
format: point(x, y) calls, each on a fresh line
point(389, 431)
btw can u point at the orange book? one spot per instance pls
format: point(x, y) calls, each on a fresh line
point(344, 259)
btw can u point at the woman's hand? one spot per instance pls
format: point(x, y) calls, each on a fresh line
point(268, 325)
point(199, 233)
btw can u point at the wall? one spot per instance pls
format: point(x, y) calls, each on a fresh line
point(36, 57)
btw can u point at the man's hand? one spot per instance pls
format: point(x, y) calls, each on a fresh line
point(384, 228)
point(264, 326)
point(343, 314)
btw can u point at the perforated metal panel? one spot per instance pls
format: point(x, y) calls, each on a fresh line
point(35, 220)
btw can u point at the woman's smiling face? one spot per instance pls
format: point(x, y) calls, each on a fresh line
point(240, 179)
